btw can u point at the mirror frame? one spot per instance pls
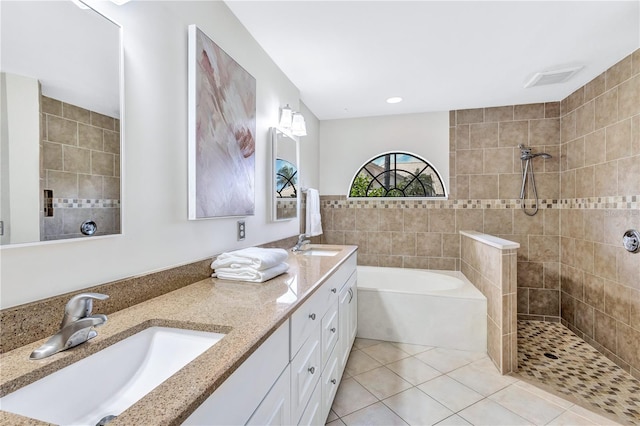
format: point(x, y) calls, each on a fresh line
point(121, 103)
point(275, 133)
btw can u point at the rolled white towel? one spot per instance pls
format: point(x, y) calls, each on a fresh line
point(250, 274)
point(253, 257)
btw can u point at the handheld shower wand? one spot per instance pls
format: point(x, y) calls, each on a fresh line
point(528, 176)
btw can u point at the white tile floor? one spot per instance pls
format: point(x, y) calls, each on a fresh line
point(398, 384)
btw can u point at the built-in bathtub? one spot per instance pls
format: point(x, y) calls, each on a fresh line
point(423, 307)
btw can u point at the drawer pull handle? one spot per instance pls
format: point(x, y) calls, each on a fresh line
point(312, 316)
point(333, 329)
point(312, 370)
point(334, 381)
point(333, 290)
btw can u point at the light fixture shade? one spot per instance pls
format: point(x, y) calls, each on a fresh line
point(286, 116)
point(298, 126)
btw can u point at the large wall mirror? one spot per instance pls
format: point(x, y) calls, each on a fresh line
point(285, 175)
point(60, 142)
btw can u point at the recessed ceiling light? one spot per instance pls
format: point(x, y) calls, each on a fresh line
point(394, 100)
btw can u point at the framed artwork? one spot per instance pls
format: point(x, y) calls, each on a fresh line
point(222, 129)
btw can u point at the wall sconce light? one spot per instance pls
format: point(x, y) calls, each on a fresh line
point(293, 121)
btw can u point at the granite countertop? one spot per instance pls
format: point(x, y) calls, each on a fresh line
point(248, 313)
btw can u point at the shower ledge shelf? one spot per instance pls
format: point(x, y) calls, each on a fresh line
point(491, 240)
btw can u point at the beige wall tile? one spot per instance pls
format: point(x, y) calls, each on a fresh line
point(451, 245)
point(403, 243)
point(567, 308)
point(628, 268)
point(498, 221)
point(344, 219)
point(416, 220)
point(528, 111)
point(111, 141)
point(606, 109)
point(390, 261)
point(594, 291)
point(103, 121)
point(462, 187)
point(547, 186)
point(605, 261)
point(619, 72)
point(629, 98)
point(530, 275)
point(483, 135)
point(429, 244)
point(544, 248)
point(366, 220)
point(584, 255)
point(358, 239)
point(442, 220)
point(629, 176)
point(498, 160)
point(635, 62)
point(635, 135)
point(63, 184)
point(551, 219)
point(544, 302)
point(77, 160)
point(334, 237)
point(509, 186)
point(469, 161)
point(368, 259)
point(552, 164)
point(575, 100)
point(544, 132)
point(523, 301)
point(495, 114)
point(483, 187)
point(567, 251)
point(595, 148)
point(584, 318)
point(575, 153)
point(595, 87)
point(551, 272)
point(513, 133)
point(62, 130)
point(415, 262)
point(466, 116)
point(605, 330)
point(568, 127)
point(528, 225)
point(75, 113)
point(442, 263)
point(52, 156)
point(552, 110)
point(390, 220)
point(90, 137)
point(585, 182)
point(627, 344)
point(585, 119)
point(616, 301)
point(594, 225)
point(469, 220)
point(618, 137)
point(50, 106)
point(379, 242)
point(635, 309)
point(605, 179)
point(462, 136)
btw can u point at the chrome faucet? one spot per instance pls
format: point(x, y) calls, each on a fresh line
point(77, 325)
point(302, 241)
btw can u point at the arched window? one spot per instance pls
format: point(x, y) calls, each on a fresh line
point(397, 174)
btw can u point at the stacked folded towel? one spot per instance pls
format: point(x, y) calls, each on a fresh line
point(252, 264)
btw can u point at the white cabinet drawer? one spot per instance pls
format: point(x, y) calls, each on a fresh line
point(330, 332)
point(306, 369)
point(312, 415)
point(335, 282)
point(330, 383)
point(275, 408)
point(304, 321)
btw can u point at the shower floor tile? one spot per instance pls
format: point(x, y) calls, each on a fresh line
point(580, 373)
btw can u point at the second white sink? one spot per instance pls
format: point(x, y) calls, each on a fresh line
point(110, 381)
point(320, 252)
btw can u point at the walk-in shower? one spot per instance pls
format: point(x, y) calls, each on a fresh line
point(528, 178)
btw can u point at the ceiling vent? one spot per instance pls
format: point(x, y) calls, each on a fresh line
point(552, 77)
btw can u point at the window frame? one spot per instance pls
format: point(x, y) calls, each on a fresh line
point(416, 156)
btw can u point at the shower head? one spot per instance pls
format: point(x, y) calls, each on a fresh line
point(542, 154)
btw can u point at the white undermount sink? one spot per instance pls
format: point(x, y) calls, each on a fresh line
point(111, 380)
point(315, 251)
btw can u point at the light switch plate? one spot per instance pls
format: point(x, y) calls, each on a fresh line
point(241, 230)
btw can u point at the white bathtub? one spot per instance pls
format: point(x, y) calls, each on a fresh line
point(423, 307)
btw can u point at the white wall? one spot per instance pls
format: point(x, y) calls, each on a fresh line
point(310, 150)
point(347, 144)
point(157, 233)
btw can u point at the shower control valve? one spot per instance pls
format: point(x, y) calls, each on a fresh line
point(631, 240)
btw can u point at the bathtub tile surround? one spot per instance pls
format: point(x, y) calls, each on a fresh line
point(581, 374)
point(600, 187)
point(448, 394)
point(490, 264)
point(81, 164)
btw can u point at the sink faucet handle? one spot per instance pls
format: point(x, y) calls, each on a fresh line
point(80, 306)
point(302, 237)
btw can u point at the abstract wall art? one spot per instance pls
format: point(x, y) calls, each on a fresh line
point(222, 129)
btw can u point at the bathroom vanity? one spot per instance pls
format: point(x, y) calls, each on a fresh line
point(285, 346)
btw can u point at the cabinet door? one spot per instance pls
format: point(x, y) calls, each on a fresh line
point(312, 415)
point(348, 320)
point(330, 332)
point(330, 383)
point(275, 408)
point(306, 369)
point(353, 309)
